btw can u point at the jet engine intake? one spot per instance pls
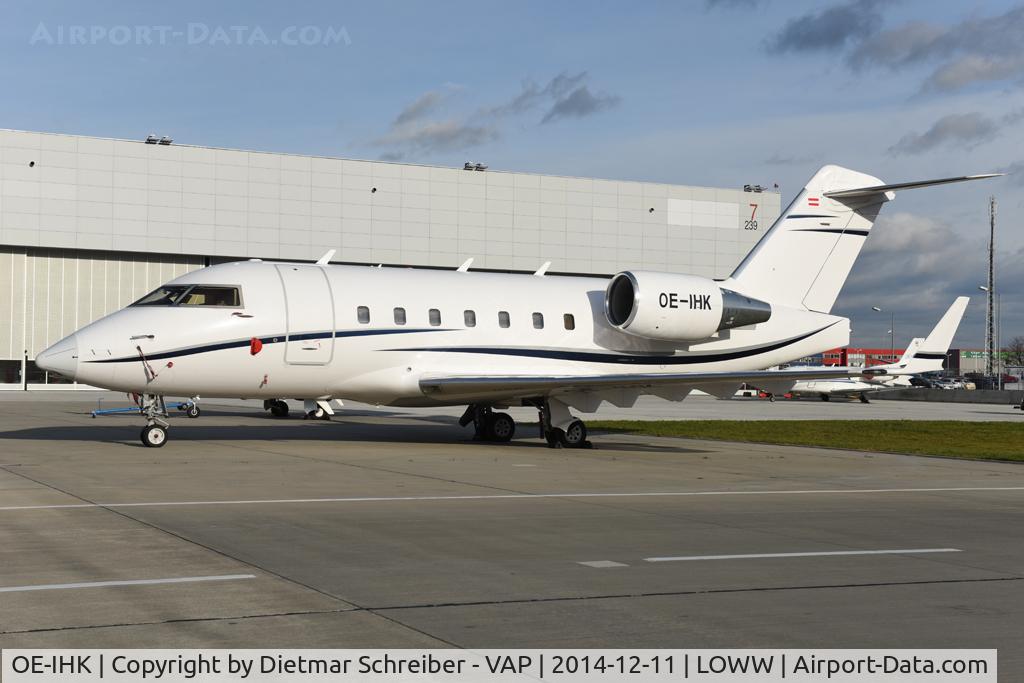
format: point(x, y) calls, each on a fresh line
point(675, 307)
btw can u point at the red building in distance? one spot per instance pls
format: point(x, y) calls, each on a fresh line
point(860, 357)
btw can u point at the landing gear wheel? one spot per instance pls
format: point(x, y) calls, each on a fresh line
point(864, 398)
point(499, 427)
point(192, 410)
point(825, 397)
point(771, 398)
point(573, 436)
point(317, 413)
point(153, 436)
point(278, 408)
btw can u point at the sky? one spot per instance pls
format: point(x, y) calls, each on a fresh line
point(701, 92)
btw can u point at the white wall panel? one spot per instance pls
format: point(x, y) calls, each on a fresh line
point(57, 291)
point(92, 193)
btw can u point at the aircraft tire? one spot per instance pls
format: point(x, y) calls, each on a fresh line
point(573, 436)
point(193, 410)
point(824, 397)
point(153, 436)
point(500, 427)
point(279, 409)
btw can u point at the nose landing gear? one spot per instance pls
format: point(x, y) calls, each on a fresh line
point(154, 434)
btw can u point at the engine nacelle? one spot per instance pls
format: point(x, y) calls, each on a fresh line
point(677, 307)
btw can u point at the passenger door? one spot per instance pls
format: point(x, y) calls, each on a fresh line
point(309, 315)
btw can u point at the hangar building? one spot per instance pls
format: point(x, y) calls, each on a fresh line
point(88, 225)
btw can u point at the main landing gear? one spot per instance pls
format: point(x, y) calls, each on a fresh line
point(864, 398)
point(488, 425)
point(558, 427)
point(276, 406)
point(317, 410)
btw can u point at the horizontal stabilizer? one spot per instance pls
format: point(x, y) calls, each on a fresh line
point(859, 192)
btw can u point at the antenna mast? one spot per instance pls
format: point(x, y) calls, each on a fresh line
point(990, 338)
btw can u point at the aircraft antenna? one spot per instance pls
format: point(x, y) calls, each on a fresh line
point(990, 338)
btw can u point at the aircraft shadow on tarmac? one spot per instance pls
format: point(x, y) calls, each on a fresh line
point(425, 430)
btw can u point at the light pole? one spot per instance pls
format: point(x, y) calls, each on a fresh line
point(892, 332)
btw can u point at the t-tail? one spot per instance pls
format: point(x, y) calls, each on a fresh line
point(803, 260)
point(927, 355)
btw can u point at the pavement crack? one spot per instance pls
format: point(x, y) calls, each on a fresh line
point(709, 591)
point(183, 620)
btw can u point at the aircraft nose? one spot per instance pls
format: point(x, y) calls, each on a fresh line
point(61, 358)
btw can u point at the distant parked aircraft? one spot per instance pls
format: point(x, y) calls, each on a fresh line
point(922, 355)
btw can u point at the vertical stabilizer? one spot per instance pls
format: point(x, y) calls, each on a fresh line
point(941, 336)
point(927, 355)
point(805, 257)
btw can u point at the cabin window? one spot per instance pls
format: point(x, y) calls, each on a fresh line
point(538, 321)
point(503, 319)
point(363, 314)
point(569, 321)
point(469, 317)
point(399, 316)
point(435, 317)
point(206, 295)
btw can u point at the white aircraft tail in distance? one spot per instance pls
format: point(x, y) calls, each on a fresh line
point(921, 355)
point(419, 337)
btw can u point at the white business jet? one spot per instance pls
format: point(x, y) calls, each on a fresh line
point(408, 337)
point(922, 355)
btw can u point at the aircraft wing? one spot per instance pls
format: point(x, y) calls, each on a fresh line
point(526, 385)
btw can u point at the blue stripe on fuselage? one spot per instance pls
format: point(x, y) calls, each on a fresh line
point(617, 358)
point(271, 339)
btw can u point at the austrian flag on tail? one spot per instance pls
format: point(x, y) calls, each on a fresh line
point(812, 201)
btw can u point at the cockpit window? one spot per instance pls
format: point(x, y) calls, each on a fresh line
point(192, 295)
point(167, 295)
point(206, 295)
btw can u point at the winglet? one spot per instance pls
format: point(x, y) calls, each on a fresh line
point(543, 269)
point(464, 268)
point(326, 258)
